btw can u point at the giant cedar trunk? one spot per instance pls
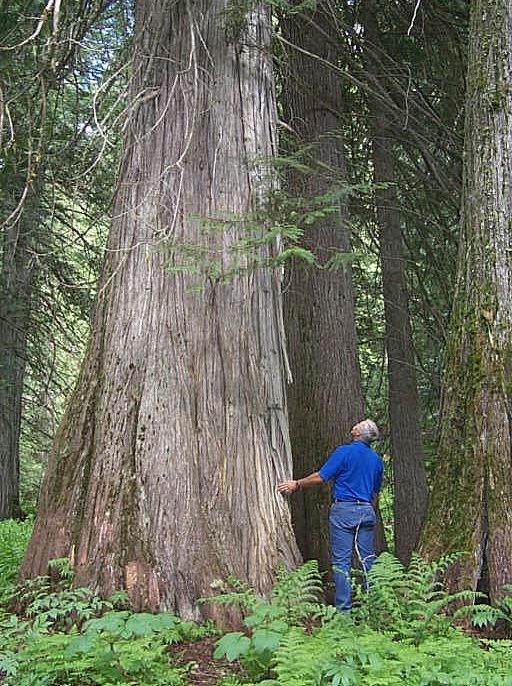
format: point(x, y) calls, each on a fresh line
point(325, 399)
point(471, 503)
point(409, 478)
point(162, 478)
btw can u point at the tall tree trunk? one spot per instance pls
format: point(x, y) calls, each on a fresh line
point(21, 182)
point(410, 493)
point(15, 289)
point(162, 478)
point(325, 399)
point(471, 503)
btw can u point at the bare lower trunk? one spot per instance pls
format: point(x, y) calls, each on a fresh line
point(325, 398)
point(410, 493)
point(163, 475)
point(471, 503)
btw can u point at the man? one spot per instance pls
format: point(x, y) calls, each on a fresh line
point(357, 474)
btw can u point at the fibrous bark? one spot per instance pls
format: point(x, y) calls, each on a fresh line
point(162, 478)
point(325, 398)
point(409, 477)
point(471, 502)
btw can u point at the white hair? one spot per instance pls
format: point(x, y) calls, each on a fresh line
point(368, 429)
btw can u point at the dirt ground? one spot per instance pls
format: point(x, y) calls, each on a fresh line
point(203, 669)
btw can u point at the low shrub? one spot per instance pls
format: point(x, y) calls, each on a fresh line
point(401, 630)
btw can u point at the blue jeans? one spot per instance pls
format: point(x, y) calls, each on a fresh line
point(351, 526)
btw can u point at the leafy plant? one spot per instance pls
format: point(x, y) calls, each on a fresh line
point(54, 660)
point(14, 536)
point(400, 631)
point(483, 615)
point(296, 594)
point(411, 603)
point(294, 600)
point(114, 626)
point(51, 602)
point(115, 647)
point(65, 635)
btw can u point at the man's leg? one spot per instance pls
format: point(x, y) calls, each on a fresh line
point(342, 537)
point(364, 540)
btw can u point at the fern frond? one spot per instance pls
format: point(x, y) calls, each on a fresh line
point(234, 593)
point(302, 586)
point(413, 602)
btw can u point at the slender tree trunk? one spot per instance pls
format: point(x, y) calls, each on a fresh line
point(471, 503)
point(162, 478)
point(325, 398)
point(410, 492)
point(21, 181)
point(15, 289)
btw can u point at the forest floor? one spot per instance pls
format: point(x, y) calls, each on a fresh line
point(204, 670)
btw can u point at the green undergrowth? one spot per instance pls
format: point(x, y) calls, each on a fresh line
point(405, 629)
point(69, 637)
point(14, 537)
point(53, 634)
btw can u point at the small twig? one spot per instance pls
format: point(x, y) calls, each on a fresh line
point(39, 26)
point(411, 25)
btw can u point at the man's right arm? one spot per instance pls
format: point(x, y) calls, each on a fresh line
point(312, 479)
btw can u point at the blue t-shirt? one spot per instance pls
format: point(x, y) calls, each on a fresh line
point(356, 470)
